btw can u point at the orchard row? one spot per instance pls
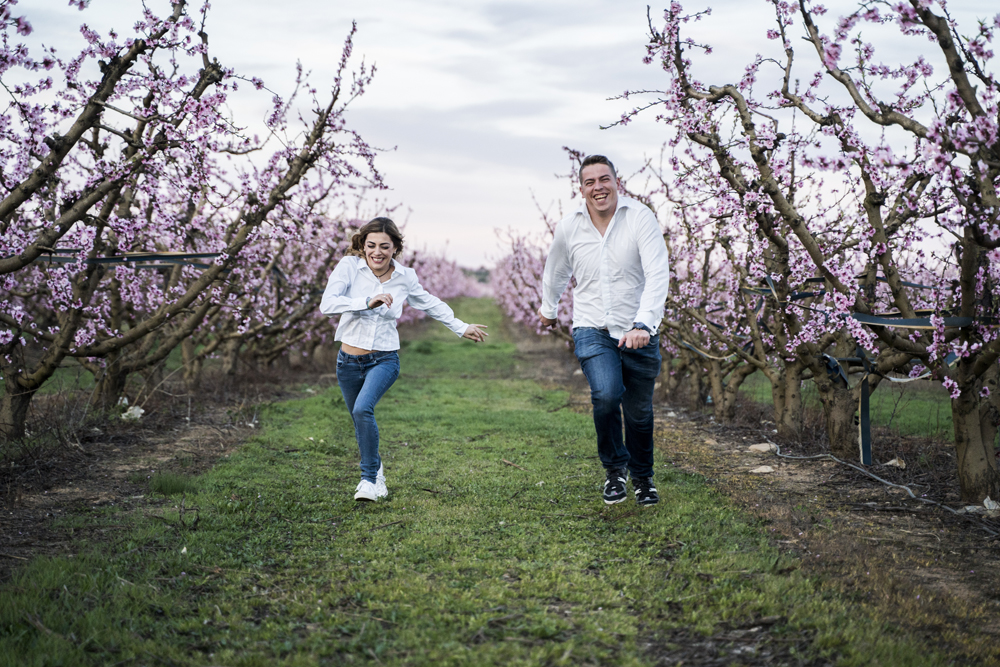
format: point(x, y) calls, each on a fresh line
point(832, 216)
point(137, 217)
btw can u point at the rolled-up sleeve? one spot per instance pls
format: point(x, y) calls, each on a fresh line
point(336, 296)
point(556, 275)
point(423, 300)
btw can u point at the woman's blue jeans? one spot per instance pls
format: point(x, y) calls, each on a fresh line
point(621, 382)
point(363, 380)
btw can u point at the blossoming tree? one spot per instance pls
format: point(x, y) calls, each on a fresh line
point(121, 155)
point(876, 183)
point(839, 224)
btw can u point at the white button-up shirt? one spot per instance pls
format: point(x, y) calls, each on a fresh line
point(621, 277)
point(352, 283)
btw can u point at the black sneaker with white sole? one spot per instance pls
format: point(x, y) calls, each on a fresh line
point(614, 486)
point(645, 491)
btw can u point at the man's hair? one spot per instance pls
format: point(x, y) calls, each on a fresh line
point(376, 226)
point(596, 159)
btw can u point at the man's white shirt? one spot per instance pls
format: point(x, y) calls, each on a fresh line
point(352, 283)
point(621, 277)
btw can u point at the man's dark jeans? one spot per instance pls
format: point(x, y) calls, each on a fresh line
point(621, 381)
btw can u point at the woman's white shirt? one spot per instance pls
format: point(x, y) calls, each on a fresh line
point(350, 286)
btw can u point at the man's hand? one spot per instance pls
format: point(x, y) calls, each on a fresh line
point(634, 339)
point(545, 320)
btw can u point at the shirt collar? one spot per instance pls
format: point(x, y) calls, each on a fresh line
point(364, 265)
point(623, 202)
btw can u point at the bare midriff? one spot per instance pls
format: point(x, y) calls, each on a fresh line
point(353, 351)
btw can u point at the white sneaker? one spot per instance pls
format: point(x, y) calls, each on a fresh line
point(366, 491)
point(380, 489)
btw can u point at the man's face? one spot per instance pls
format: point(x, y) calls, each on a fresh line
point(599, 188)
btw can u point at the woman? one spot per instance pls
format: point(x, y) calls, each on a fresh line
point(368, 288)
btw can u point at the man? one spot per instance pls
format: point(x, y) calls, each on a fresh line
point(614, 248)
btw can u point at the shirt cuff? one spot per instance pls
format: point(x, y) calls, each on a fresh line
point(360, 303)
point(650, 320)
point(549, 313)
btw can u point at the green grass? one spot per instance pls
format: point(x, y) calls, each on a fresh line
point(171, 484)
point(917, 408)
point(269, 561)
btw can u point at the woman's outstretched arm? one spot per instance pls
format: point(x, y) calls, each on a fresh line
point(423, 300)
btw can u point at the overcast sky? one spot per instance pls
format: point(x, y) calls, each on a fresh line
point(475, 98)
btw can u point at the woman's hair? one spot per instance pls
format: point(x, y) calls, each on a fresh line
point(376, 226)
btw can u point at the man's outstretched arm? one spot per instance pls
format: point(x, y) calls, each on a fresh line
point(555, 277)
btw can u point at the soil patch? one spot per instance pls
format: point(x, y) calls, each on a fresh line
point(917, 566)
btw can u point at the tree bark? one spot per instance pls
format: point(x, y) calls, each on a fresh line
point(192, 365)
point(694, 386)
point(14, 406)
point(975, 421)
point(671, 372)
point(230, 356)
point(110, 386)
point(724, 394)
point(787, 394)
point(839, 407)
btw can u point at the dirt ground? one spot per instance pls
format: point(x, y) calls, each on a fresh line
point(912, 565)
point(112, 464)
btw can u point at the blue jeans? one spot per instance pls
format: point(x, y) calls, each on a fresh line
point(363, 380)
point(621, 381)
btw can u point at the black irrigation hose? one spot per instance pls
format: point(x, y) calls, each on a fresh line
point(912, 495)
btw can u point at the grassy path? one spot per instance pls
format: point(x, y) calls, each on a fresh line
point(470, 560)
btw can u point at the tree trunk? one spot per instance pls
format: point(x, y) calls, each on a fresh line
point(975, 421)
point(978, 476)
point(683, 380)
point(230, 356)
point(14, 406)
point(694, 386)
point(787, 394)
point(671, 373)
point(839, 407)
point(192, 365)
point(110, 386)
point(716, 388)
point(725, 400)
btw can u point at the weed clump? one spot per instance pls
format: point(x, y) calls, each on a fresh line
point(171, 484)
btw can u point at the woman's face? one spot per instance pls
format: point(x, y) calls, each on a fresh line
point(378, 251)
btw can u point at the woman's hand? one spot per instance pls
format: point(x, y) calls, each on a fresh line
point(378, 300)
point(475, 333)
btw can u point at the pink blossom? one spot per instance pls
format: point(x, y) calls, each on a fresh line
point(952, 387)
